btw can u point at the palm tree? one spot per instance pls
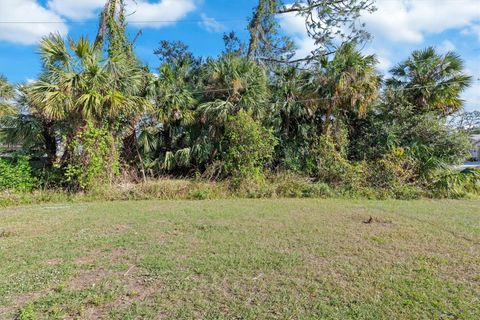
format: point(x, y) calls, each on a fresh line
point(346, 83)
point(78, 85)
point(232, 84)
point(431, 81)
point(174, 98)
point(6, 93)
point(295, 104)
point(83, 85)
point(229, 84)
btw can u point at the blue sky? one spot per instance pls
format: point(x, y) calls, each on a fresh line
point(398, 27)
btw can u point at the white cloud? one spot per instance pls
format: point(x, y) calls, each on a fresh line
point(76, 9)
point(410, 20)
point(472, 94)
point(27, 10)
point(472, 30)
point(165, 11)
point(211, 25)
point(446, 46)
point(294, 26)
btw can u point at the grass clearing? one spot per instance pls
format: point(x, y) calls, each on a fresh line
point(243, 259)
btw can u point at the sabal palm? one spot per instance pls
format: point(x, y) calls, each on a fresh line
point(31, 128)
point(174, 97)
point(431, 81)
point(232, 84)
point(348, 82)
point(295, 105)
point(82, 85)
point(79, 85)
point(6, 93)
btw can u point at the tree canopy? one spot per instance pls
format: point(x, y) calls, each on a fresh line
point(95, 110)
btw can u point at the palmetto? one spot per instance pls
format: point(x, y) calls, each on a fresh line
point(348, 82)
point(230, 85)
point(6, 93)
point(431, 81)
point(80, 84)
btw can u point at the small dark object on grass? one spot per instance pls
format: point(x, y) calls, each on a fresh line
point(5, 233)
point(370, 220)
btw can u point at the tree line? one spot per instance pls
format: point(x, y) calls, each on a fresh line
point(96, 112)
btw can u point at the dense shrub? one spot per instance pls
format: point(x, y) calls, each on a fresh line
point(291, 185)
point(249, 149)
point(456, 184)
point(16, 175)
point(399, 125)
point(94, 159)
point(332, 166)
point(392, 171)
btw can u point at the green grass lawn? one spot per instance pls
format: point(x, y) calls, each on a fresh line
point(241, 259)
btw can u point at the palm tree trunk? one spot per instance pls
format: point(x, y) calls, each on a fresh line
point(167, 137)
point(129, 144)
point(285, 115)
point(50, 143)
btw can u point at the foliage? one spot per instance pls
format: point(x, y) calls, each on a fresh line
point(457, 184)
point(287, 184)
point(392, 173)
point(232, 84)
point(16, 175)
point(6, 93)
point(432, 82)
point(171, 52)
point(399, 125)
point(333, 167)
point(94, 160)
point(234, 47)
point(249, 149)
point(347, 83)
point(266, 42)
point(334, 127)
point(327, 23)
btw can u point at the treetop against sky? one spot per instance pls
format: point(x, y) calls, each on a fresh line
point(397, 27)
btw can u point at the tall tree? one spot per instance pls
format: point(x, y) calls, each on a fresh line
point(431, 81)
point(233, 45)
point(112, 37)
point(346, 83)
point(174, 99)
point(266, 42)
point(79, 85)
point(112, 29)
point(329, 23)
point(231, 84)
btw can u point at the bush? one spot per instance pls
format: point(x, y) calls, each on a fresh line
point(290, 185)
point(16, 175)
point(392, 171)
point(250, 148)
point(94, 159)
point(333, 167)
point(454, 184)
